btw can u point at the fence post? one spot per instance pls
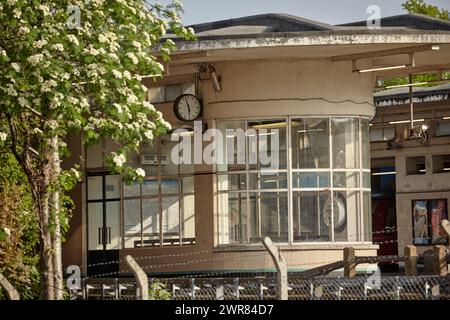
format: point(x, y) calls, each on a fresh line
point(237, 287)
point(439, 265)
point(116, 287)
point(141, 278)
point(220, 292)
point(11, 292)
point(349, 262)
point(410, 260)
point(280, 265)
point(83, 288)
point(193, 289)
point(397, 288)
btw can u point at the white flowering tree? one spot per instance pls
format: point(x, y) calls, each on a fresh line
point(75, 67)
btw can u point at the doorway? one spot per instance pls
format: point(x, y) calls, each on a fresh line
point(103, 224)
point(384, 213)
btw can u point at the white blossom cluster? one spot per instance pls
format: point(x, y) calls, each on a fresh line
point(119, 159)
point(7, 231)
point(3, 136)
point(89, 77)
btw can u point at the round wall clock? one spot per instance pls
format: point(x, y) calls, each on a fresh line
point(187, 107)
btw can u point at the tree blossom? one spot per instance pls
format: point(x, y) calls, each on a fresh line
point(15, 66)
point(35, 59)
point(140, 172)
point(7, 231)
point(56, 81)
point(119, 160)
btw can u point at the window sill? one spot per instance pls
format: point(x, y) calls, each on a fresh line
point(297, 246)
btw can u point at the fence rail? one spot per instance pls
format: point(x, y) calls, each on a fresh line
point(317, 288)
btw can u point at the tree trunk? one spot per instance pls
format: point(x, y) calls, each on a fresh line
point(56, 205)
point(41, 199)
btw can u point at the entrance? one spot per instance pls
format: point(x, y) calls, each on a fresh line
point(384, 217)
point(103, 224)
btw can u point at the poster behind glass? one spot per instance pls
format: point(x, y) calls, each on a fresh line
point(427, 218)
point(438, 212)
point(420, 222)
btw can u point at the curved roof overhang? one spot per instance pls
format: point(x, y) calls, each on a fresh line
point(321, 45)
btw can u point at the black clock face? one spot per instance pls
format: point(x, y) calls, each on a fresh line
point(187, 107)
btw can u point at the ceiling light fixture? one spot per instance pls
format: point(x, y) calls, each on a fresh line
point(406, 121)
point(407, 85)
point(382, 68)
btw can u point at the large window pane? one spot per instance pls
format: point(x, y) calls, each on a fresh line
point(188, 219)
point(187, 185)
point(270, 210)
point(150, 187)
point(346, 208)
point(132, 223)
point(95, 223)
point(344, 132)
point(345, 179)
point(265, 180)
point(131, 190)
point(233, 134)
point(233, 217)
point(267, 141)
point(310, 143)
point(308, 216)
point(232, 182)
point(112, 233)
point(169, 186)
point(311, 180)
point(151, 216)
point(367, 216)
point(112, 186)
point(171, 220)
point(95, 188)
point(365, 144)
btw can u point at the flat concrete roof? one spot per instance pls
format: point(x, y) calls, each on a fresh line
point(281, 30)
point(279, 36)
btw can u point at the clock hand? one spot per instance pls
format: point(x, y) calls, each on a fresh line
point(189, 108)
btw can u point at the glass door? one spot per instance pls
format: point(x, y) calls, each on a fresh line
point(103, 227)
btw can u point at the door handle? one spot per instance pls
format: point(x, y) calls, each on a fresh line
point(108, 230)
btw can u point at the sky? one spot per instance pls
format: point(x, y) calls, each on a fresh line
point(327, 11)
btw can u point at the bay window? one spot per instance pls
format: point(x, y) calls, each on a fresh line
point(317, 192)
